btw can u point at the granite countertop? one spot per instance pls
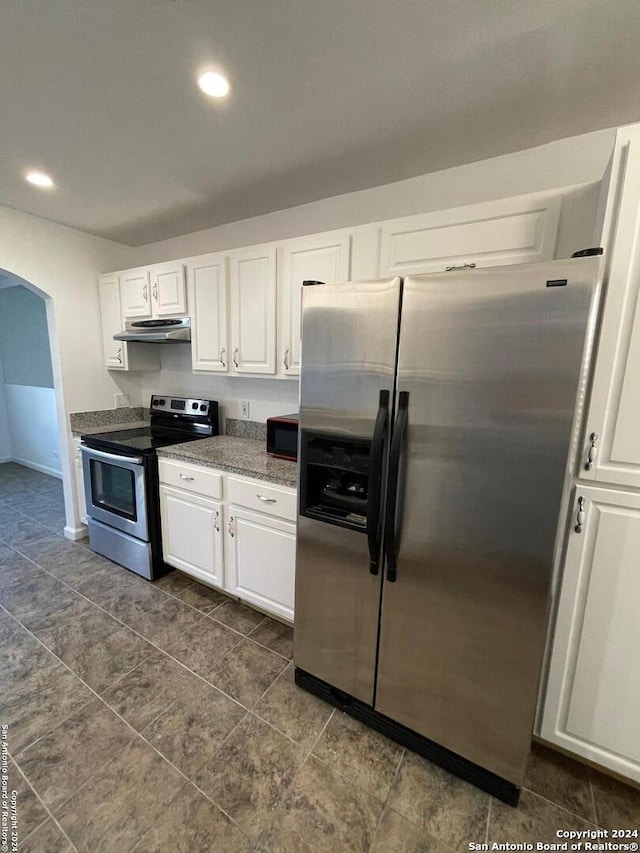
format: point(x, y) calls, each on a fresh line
point(243, 456)
point(108, 420)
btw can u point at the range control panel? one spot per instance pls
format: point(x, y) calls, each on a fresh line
point(179, 405)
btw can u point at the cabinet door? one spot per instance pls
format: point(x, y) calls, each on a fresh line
point(136, 293)
point(261, 555)
point(593, 691)
point(115, 352)
point(509, 231)
point(612, 437)
point(253, 311)
point(168, 290)
point(324, 257)
point(207, 286)
point(191, 535)
point(77, 461)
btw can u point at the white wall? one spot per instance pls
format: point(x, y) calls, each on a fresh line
point(63, 264)
point(566, 163)
point(5, 437)
point(33, 427)
point(266, 396)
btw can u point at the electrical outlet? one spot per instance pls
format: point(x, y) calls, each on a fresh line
point(244, 409)
point(122, 401)
point(55, 454)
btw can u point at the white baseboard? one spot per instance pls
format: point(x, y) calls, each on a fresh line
point(6, 459)
point(76, 533)
point(36, 467)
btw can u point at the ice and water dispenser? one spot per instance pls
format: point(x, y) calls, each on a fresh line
point(335, 479)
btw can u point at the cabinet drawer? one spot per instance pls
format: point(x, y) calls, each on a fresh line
point(191, 478)
point(254, 494)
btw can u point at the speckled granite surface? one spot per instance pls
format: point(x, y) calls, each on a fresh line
point(237, 456)
point(246, 429)
point(106, 420)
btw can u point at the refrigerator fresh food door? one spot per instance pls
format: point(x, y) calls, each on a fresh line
point(349, 340)
point(491, 364)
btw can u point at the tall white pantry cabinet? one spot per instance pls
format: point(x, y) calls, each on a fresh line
point(592, 701)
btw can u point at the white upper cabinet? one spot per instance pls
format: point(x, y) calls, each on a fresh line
point(593, 690)
point(168, 291)
point(158, 291)
point(322, 257)
point(115, 352)
point(253, 310)
point(509, 231)
point(612, 434)
point(207, 288)
point(136, 293)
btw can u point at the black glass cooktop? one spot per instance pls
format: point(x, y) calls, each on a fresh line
point(136, 441)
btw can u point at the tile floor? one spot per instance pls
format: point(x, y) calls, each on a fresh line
point(164, 717)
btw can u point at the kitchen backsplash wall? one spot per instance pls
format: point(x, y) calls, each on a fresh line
point(266, 396)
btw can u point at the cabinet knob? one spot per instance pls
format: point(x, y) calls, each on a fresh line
point(235, 357)
point(286, 359)
point(222, 353)
point(230, 527)
point(592, 452)
point(580, 516)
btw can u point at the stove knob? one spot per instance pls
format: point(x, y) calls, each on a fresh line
point(161, 402)
point(203, 407)
point(194, 405)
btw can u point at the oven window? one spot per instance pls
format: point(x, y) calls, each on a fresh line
point(113, 488)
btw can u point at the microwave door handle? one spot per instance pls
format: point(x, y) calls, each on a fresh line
point(110, 457)
point(391, 549)
point(375, 482)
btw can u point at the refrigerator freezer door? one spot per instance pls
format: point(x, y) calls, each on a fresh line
point(493, 362)
point(349, 335)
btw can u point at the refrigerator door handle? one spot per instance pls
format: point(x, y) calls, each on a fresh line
point(375, 482)
point(392, 487)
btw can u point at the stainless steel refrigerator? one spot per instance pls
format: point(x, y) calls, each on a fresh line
point(438, 422)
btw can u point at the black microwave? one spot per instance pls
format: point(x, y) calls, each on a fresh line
point(282, 436)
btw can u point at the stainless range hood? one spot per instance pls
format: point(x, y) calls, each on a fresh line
point(169, 331)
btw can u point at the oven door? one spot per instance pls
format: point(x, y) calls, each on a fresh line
point(115, 490)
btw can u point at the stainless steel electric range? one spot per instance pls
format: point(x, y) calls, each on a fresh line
point(121, 481)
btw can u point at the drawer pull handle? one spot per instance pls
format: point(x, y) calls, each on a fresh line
point(222, 361)
point(145, 293)
point(231, 533)
point(155, 290)
point(266, 500)
point(235, 357)
point(286, 359)
point(216, 519)
point(186, 477)
point(593, 450)
point(580, 516)
point(452, 267)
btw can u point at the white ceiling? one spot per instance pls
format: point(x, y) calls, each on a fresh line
point(328, 96)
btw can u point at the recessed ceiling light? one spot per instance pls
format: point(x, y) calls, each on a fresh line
point(213, 84)
point(39, 179)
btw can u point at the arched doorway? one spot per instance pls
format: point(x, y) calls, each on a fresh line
point(33, 433)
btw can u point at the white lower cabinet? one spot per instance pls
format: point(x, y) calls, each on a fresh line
point(77, 466)
point(192, 534)
point(261, 554)
point(593, 690)
point(244, 543)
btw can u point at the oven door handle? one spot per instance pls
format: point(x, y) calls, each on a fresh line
point(111, 457)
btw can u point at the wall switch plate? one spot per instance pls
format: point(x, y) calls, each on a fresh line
point(244, 409)
point(122, 401)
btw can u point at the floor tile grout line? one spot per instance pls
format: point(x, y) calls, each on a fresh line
point(558, 805)
point(50, 814)
point(386, 806)
point(488, 826)
point(593, 801)
point(135, 732)
point(316, 741)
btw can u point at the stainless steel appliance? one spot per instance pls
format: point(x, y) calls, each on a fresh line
point(120, 471)
point(282, 436)
point(437, 426)
point(166, 331)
